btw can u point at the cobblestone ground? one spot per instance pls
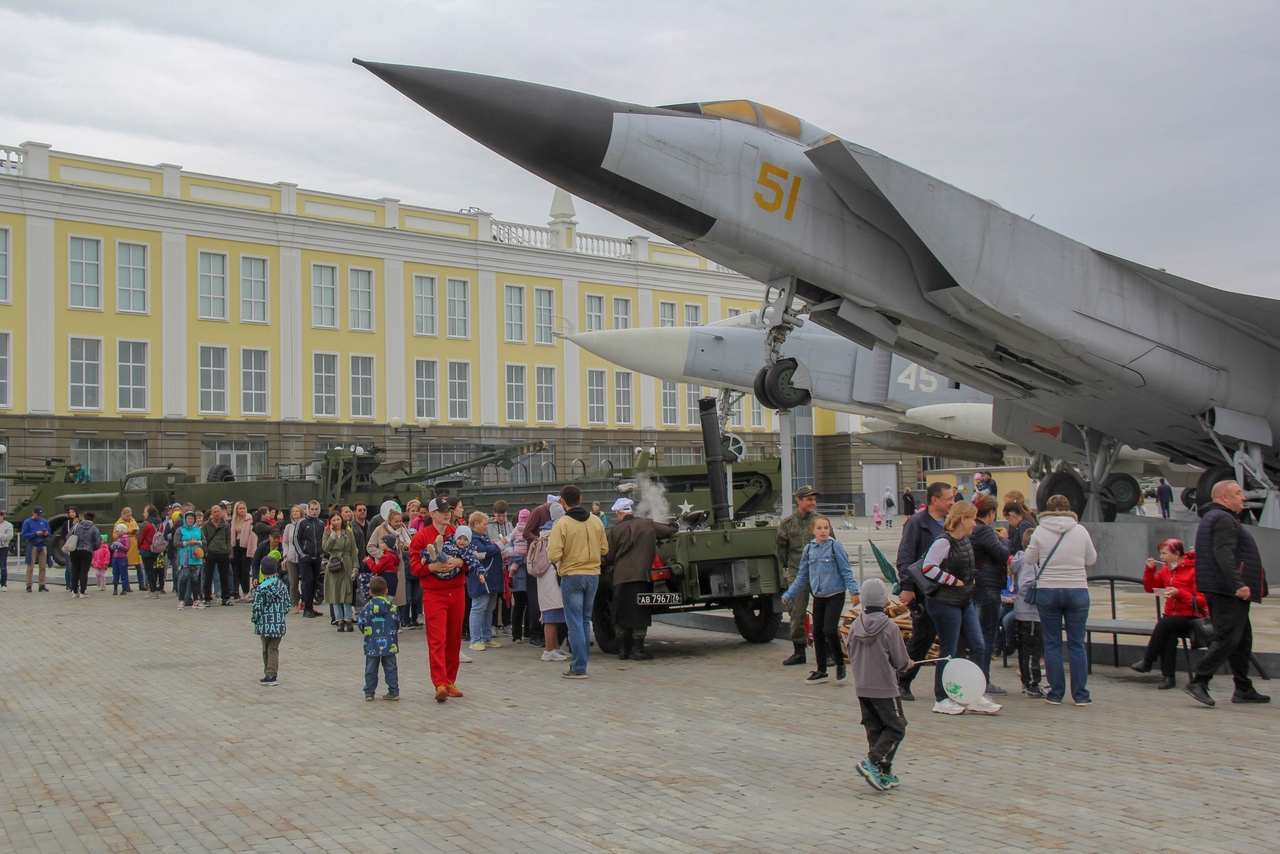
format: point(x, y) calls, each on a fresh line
point(128, 725)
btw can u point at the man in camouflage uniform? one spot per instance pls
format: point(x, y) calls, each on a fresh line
point(794, 534)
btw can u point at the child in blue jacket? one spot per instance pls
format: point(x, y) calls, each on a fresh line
point(825, 569)
point(380, 622)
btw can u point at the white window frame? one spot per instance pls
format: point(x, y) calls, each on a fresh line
point(757, 413)
point(732, 312)
point(663, 319)
point(736, 415)
point(146, 375)
point(692, 415)
point(621, 319)
point(692, 314)
point(594, 317)
point(355, 296)
point(71, 281)
point(6, 253)
point(623, 398)
point(597, 392)
point(513, 314)
point(459, 407)
point(249, 300)
point(318, 307)
point(6, 369)
point(209, 278)
point(316, 394)
point(245, 387)
point(121, 269)
point(547, 416)
point(458, 324)
point(371, 398)
point(85, 386)
point(212, 391)
point(426, 307)
point(544, 316)
point(517, 376)
point(670, 404)
point(424, 406)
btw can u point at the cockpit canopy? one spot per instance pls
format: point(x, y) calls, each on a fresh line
point(754, 113)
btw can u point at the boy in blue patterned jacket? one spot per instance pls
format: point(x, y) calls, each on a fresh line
point(270, 605)
point(380, 622)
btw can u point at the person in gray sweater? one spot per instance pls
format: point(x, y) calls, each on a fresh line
point(877, 656)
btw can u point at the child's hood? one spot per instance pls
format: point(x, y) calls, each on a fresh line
point(867, 628)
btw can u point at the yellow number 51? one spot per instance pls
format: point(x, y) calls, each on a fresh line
point(772, 202)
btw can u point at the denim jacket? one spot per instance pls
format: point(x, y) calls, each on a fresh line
point(380, 623)
point(825, 568)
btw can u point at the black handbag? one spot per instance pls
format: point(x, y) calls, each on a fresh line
point(1201, 627)
point(924, 585)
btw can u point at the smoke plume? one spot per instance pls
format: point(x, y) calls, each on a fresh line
point(651, 498)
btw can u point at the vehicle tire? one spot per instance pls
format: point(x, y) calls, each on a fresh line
point(1210, 477)
point(602, 620)
point(1189, 498)
point(1109, 510)
point(1065, 483)
point(58, 535)
point(762, 391)
point(221, 473)
point(1123, 490)
point(756, 620)
point(778, 388)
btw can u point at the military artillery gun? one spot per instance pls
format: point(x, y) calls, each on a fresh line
point(723, 566)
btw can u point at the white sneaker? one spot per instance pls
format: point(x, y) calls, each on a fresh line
point(555, 655)
point(4, 589)
point(948, 707)
point(985, 706)
point(463, 658)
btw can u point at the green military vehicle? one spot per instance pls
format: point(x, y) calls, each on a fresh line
point(724, 566)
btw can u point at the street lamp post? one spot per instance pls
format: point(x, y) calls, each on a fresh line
point(398, 426)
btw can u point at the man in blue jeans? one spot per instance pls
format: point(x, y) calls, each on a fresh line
point(577, 543)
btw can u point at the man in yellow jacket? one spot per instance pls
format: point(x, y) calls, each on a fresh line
point(577, 543)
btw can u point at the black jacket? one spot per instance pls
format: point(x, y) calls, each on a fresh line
point(1227, 556)
point(917, 535)
point(991, 555)
point(310, 537)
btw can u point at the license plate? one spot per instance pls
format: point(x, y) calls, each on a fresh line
point(657, 598)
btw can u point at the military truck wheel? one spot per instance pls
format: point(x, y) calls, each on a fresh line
point(221, 473)
point(756, 620)
point(58, 535)
point(602, 620)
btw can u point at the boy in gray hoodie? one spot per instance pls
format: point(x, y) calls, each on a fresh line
point(877, 656)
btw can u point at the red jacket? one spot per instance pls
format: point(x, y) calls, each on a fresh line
point(430, 581)
point(389, 562)
point(1183, 579)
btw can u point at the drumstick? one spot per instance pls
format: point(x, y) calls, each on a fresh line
point(931, 661)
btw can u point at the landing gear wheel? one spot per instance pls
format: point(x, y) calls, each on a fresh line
point(1189, 498)
point(777, 386)
point(1124, 490)
point(1064, 483)
point(602, 620)
point(761, 390)
point(220, 473)
point(1211, 477)
point(755, 619)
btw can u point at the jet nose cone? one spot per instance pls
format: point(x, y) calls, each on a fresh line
point(659, 352)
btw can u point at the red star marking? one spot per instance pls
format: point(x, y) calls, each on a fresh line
point(1054, 431)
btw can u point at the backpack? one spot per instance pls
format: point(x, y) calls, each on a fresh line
point(538, 564)
point(888, 504)
point(158, 542)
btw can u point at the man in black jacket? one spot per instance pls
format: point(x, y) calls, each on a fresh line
point(309, 536)
point(919, 532)
point(991, 555)
point(1229, 573)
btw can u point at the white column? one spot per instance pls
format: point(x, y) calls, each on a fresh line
point(648, 386)
point(173, 312)
point(172, 180)
point(288, 197)
point(39, 293)
point(391, 212)
point(570, 379)
point(488, 314)
point(35, 160)
point(290, 311)
point(393, 333)
point(640, 248)
point(713, 309)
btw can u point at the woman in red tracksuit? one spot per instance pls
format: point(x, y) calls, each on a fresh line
point(1175, 572)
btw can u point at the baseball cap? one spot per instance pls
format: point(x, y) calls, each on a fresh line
point(439, 504)
point(805, 491)
point(39, 511)
point(623, 505)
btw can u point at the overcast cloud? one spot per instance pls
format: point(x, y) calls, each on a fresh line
point(1146, 129)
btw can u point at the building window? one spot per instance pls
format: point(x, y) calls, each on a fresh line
point(131, 277)
point(610, 457)
point(424, 305)
point(757, 413)
point(324, 296)
point(213, 380)
point(516, 393)
point(621, 313)
point(424, 388)
point(212, 287)
point(736, 414)
point(360, 300)
point(253, 382)
point(109, 459)
point(513, 313)
point(595, 397)
point(595, 313)
point(361, 386)
point(6, 361)
point(666, 314)
point(324, 388)
point(622, 397)
point(5, 295)
point(690, 455)
point(131, 373)
point(459, 391)
point(693, 315)
point(244, 458)
point(733, 312)
point(86, 373)
point(85, 273)
point(670, 405)
point(545, 380)
point(691, 415)
point(458, 309)
point(544, 306)
point(253, 290)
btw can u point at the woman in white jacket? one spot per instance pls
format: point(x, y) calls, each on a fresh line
point(1063, 550)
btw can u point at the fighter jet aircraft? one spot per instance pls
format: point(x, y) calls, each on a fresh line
point(1085, 348)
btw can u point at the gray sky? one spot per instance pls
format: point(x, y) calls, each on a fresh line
point(1146, 129)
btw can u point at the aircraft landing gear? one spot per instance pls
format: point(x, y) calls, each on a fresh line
point(780, 384)
point(775, 386)
point(1097, 494)
point(1262, 498)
